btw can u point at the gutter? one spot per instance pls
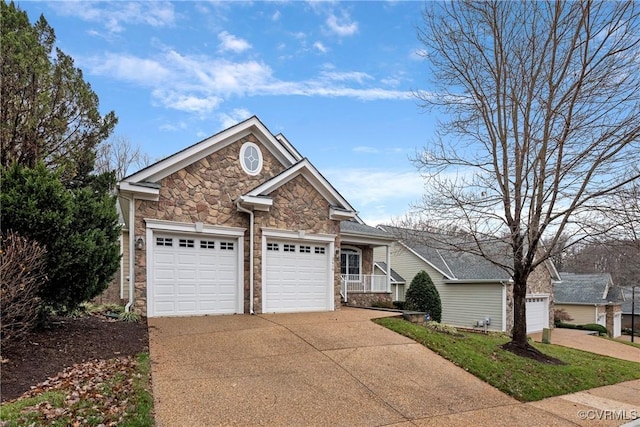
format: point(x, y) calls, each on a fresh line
point(251, 274)
point(132, 253)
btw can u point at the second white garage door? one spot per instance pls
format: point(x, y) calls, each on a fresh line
point(193, 276)
point(297, 277)
point(537, 314)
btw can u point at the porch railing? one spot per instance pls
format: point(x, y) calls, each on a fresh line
point(361, 283)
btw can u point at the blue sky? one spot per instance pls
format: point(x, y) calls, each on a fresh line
point(336, 78)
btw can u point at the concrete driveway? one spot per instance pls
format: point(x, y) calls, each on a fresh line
point(584, 340)
point(332, 368)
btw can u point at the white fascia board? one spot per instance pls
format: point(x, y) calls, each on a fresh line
point(276, 233)
point(306, 169)
point(184, 158)
point(284, 141)
point(361, 239)
point(256, 203)
point(139, 191)
point(192, 227)
point(341, 214)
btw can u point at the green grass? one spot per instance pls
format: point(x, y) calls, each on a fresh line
point(524, 379)
point(51, 409)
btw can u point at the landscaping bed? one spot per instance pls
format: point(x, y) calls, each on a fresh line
point(90, 370)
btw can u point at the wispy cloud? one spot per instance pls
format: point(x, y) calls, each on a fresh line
point(235, 116)
point(199, 83)
point(342, 25)
point(320, 47)
point(113, 16)
point(365, 149)
point(231, 43)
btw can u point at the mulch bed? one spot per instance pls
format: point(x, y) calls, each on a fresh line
point(65, 342)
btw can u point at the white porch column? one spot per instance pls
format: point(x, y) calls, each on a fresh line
point(388, 268)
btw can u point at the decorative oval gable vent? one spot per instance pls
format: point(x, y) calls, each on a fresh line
point(251, 158)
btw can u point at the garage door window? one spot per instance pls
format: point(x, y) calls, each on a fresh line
point(187, 243)
point(272, 247)
point(319, 250)
point(305, 249)
point(207, 244)
point(164, 241)
point(226, 246)
point(288, 248)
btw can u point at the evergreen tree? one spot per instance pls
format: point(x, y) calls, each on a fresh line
point(78, 228)
point(422, 295)
point(48, 112)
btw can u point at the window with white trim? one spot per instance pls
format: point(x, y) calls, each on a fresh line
point(319, 250)
point(288, 248)
point(251, 158)
point(272, 247)
point(350, 262)
point(305, 249)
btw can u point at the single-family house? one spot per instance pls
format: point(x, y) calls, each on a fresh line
point(241, 222)
point(471, 288)
point(590, 298)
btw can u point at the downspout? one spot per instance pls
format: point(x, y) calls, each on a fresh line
point(250, 212)
point(132, 253)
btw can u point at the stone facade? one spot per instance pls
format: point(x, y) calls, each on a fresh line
point(611, 310)
point(205, 192)
point(539, 283)
point(369, 298)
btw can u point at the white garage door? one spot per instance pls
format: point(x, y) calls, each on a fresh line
point(297, 277)
point(537, 314)
point(193, 276)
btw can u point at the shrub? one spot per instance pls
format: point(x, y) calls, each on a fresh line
point(78, 228)
point(423, 296)
point(560, 316)
point(601, 330)
point(399, 305)
point(21, 276)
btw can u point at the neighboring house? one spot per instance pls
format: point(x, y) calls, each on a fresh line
point(629, 312)
point(590, 298)
point(471, 288)
point(241, 223)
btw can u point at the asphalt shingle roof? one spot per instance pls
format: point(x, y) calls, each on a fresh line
point(356, 227)
point(454, 264)
point(395, 277)
point(626, 305)
point(585, 288)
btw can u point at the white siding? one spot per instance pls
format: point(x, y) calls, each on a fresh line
point(462, 304)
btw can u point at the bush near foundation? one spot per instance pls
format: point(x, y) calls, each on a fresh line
point(422, 295)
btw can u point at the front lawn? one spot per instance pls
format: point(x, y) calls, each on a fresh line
point(522, 378)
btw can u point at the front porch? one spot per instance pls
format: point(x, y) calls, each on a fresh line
point(360, 285)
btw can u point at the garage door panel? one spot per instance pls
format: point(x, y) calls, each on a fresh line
point(297, 278)
point(193, 276)
point(537, 314)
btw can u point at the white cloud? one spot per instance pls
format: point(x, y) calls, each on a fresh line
point(229, 42)
point(235, 116)
point(115, 15)
point(355, 76)
point(320, 47)
point(342, 26)
point(379, 196)
point(276, 16)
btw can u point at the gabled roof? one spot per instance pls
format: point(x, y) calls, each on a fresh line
point(315, 178)
point(278, 146)
point(454, 265)
point(355, 231)
point(395, 277)
point(596, 288)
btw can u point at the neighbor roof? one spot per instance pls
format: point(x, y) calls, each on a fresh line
point(596, 288)
point(626, 304)
point(395, 277)
point(455, 265)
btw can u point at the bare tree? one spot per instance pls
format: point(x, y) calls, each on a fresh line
point(543, 124)
point(118, 154)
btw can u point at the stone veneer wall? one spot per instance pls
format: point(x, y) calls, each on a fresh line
point(367, 299)
point(296, 206)
point(203, 191)
point(611, 310)
point(539, 283)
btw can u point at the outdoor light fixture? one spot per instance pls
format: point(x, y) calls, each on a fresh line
point(139, 243)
